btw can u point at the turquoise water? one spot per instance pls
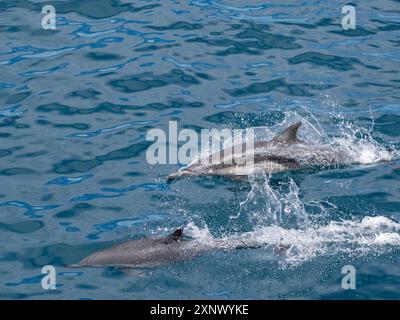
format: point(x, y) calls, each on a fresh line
point(75, 106)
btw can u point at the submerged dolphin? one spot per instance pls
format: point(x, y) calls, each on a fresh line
point(283, 153)
point(151, 252)
point(147, 252)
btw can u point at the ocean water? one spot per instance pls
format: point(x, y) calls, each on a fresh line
point(76, 104)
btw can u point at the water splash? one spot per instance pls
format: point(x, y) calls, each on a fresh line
point(308, 238)
point(266, 206)
point(360, 144)
point(280, 221)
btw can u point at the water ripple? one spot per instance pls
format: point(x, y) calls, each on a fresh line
point(30, 211)
point(119, 192)
point(65, 181)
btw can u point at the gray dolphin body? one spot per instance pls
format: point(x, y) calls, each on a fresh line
point(283, 153)
point(147, 252)
point(152, 252)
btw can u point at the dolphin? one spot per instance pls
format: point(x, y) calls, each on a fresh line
point(147, 252)
point(285, 152)
point(152, 252)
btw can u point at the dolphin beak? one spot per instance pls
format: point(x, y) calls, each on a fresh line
point(179, 174)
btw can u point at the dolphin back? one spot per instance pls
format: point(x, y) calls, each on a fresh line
point(137, 253)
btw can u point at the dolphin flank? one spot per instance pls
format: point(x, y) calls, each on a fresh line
point(284, 152)
point(152, 252)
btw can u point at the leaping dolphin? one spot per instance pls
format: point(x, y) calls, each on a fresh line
point(283, 153)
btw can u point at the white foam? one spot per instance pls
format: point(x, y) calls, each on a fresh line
point(370, 235)
point(364, 151)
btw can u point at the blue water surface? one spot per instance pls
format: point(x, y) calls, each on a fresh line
point(76, 104)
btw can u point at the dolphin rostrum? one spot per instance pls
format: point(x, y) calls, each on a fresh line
point(284, 152)
point(151, 252)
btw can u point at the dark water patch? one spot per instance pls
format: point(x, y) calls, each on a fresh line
point(351, 103)
point(367, 84)
point(113, 272)
point(119, 192)
point(5, 135)
point(324, 22)
point(22, 227)
point(148, 80)
point(84, 286)
point(66, 110)
point(31, 295)
point(245, 119)
point(12, 122)
point(348, 174)
point(396, 42)
point(103, 56)
point(113, 209)
point(85, 94)
point(78, 166)
point(279, 85)
point(32, 154)
point(44, 33)
point(47, 197)
point(88, 8)
point(388, 124)
point(179, 25)
point(133, 174)
point(77, 126)
point(389, 206)
point(358, 32)
point(75, 166)
point(253, 39)
point(173, 104)
point(108, 107)
point(16, 171)
point(75, 210)
point(386, 26)
point(153, 47)
point(18, 97)
point(393, 176)
point(320, 59)
point(5, 152)
point(11, 29)
point(351, 205)
point(204, 76)
point(57, 254)
point(110, 181)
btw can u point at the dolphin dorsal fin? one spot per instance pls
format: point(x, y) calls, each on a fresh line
point(175, 236)
point(290, 134)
